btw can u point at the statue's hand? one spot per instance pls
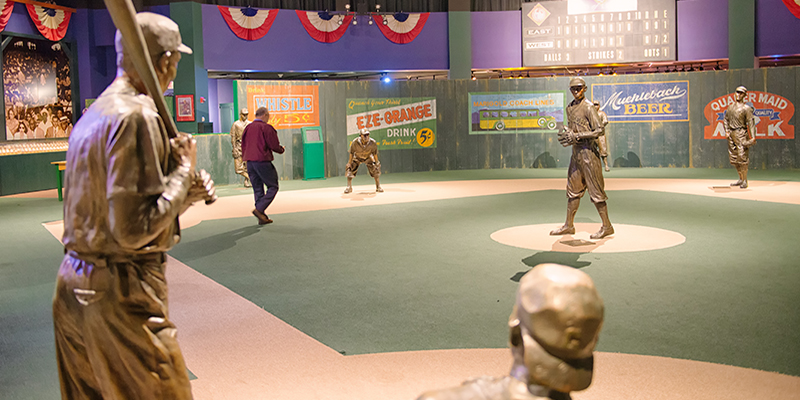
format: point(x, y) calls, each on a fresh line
point(202, 188)
point(184, 149)
point(566, 137)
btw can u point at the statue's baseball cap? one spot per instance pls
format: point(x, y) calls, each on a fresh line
point(577, 82)
point(160, 33)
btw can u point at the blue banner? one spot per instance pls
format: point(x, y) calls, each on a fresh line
point(516, 112)
point(643, 102)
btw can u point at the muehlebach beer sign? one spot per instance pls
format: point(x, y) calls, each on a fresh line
point(772, 114)
point(643, 101)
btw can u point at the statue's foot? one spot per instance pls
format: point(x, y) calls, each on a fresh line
point(607, 168)
point(247, 184)
point(603, 232)
point(737, 183)
point(564, 230)
point(379, 189)
point(348, 190)
point(743, 185)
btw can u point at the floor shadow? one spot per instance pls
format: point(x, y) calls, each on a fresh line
point(556, 257)
point(631, 160)
point(359, 196)
point(544, 160)
point(214, 244)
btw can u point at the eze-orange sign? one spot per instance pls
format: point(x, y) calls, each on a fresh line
point(772, 113)
point(290, 107)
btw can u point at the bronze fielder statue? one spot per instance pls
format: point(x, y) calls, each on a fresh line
point(236, 144)
point(602, 141)
point(740, 127)
point(126, 182)
point(363, 149)
point(584, 127)
point(554, 328)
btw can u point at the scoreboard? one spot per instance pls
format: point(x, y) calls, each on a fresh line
point(587, 32)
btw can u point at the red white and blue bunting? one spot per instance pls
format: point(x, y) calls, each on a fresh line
point(50, 22)
point(248, 23)
point(6, 6)
point(324, 27)
point(401, 28)
point(793, 6)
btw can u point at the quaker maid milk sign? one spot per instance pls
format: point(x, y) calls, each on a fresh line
point(772, 114)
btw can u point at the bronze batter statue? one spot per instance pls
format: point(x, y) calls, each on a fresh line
point(602, 141)
point(236, 144)
point(740, 127)
point(584, 127)
point(363, 149)
point(554, 328)
point(126, 182)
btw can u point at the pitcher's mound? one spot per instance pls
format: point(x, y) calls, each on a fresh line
point(625, 238)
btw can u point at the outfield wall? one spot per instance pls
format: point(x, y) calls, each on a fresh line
point(655, 143)
point(680, 144)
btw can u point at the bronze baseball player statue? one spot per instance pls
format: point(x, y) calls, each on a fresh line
point(363, 149)
point(602, 141)
point(740, 127)
point(126, 182)
point(236, 145)
point(554, 327)
point(585, 170)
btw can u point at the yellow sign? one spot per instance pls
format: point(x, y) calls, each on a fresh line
point(425, 137)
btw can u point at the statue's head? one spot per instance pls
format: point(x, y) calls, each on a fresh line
point(577, 86)
point(243, 113)
point(741, 93)
point(364, 133)
point(163, 40)
point(554, 328)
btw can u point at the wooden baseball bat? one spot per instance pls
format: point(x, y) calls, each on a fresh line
point(124, 16)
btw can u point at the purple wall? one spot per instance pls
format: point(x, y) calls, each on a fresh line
point(702, 29)
point(20, 22)
point(288, 47)
point(496, 39)
point(777, 30)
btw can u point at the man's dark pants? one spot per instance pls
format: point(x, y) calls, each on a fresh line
point(263, 173)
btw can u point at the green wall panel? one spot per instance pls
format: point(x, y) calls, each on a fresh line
point(29, 172)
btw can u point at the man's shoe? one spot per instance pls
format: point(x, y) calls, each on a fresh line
point(743, 185)
point(379, 190)
point(262, 218)
point(603, 232)
point(564, 230)
point(737, 183)
point(348, 190)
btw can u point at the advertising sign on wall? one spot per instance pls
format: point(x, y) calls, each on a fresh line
point(772, 114)
point(290, 106)
point(395, 123)
point(515, 112)
point(643, 102)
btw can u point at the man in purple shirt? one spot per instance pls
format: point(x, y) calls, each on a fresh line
point(259, 140)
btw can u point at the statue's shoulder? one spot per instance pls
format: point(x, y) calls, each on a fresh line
point(120, 101)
